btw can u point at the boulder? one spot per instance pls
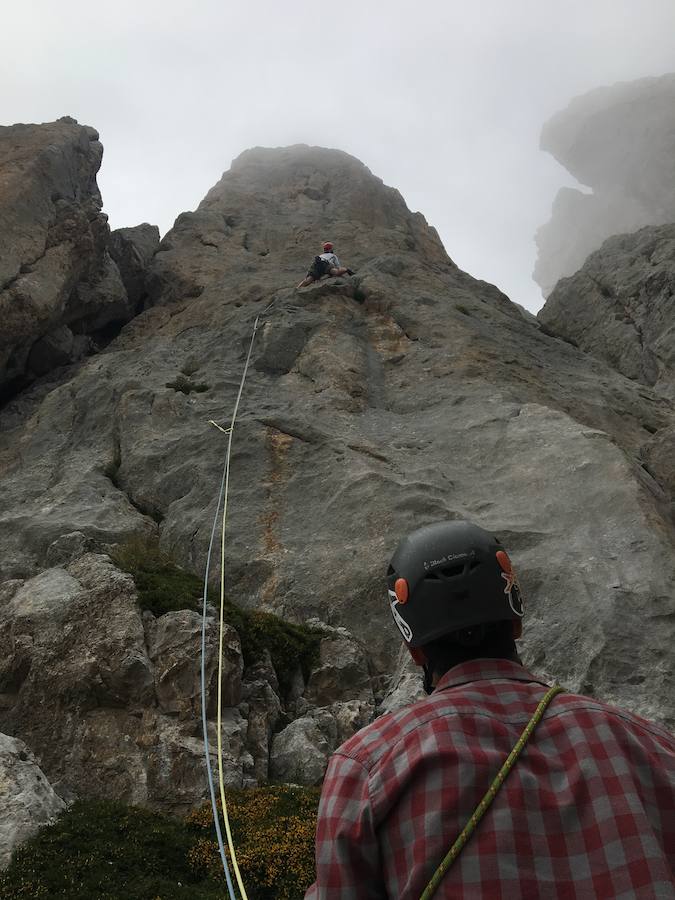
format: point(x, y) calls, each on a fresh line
point(174, 647)
point(350, 716)
point(403, 686)
point(342, 670)
point(28, 799)
point(299, 754)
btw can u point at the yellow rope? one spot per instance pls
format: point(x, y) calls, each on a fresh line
point(221, 780)
point(485, 803)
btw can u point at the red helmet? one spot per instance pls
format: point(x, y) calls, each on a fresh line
point(327, 245)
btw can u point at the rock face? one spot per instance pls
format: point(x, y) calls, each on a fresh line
point(108, 698)
point(407, 394)
point(620, 141)
point(132, 250)
point(59, 285)
point(28, 799)
point(620, 306)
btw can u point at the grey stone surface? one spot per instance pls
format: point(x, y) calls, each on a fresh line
point(342, 670)
point(132, 249)
point(299, 754)
point(110, 698)
point(58, 282)
point(173, 642)
point(262, 710)
point(404, 685)
point(620, 142)
point(620, 306)
point(350, 716)
point(406, 394)
point(28, 799)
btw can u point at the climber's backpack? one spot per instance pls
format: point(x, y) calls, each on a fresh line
point(319, 268)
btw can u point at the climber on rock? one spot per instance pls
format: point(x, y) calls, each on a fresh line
point(586, 810)
point(326, 263)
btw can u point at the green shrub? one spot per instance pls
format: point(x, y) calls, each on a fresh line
point(186, 386)
point(289, 645)
point(105, 850)
point(162, 587)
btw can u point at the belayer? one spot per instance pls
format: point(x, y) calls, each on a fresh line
point(326, 263)
point(587, 810)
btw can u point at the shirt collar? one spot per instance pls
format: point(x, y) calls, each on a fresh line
point(484, 670)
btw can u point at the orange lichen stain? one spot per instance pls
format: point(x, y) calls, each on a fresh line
point(278, 445)
point(269, 520)
point(386, 337)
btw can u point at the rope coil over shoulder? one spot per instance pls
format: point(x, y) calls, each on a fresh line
point(491, 793)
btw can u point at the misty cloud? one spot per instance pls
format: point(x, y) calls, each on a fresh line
point(443, 100)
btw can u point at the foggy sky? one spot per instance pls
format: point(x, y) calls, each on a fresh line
point(442, 99)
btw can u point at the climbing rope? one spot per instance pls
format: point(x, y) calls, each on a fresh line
point(222, 501)
point(209, 771)
point(490, 795)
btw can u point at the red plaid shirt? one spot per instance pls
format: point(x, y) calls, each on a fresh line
point(588, 811)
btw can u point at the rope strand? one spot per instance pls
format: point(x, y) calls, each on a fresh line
point(221, 778)
point(222, 501)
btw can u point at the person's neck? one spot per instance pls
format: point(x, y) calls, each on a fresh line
point(436, 677)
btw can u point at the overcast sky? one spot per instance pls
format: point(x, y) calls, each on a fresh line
point(442, 99)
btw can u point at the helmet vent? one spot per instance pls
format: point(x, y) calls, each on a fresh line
point(474, 565)
point(432, 576)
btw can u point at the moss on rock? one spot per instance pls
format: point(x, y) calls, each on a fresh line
point(163, 587)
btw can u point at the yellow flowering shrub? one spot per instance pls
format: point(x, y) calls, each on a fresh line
point(273, 831)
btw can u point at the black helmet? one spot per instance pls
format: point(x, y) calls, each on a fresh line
point(447, 577)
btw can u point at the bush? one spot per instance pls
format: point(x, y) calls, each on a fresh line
point(273, 830)
point(186, 385)
point(288, 645)
point(162, 587)
point(105, 850)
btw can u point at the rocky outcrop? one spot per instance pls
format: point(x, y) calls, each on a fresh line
point(108, 697)
point(28, 799)
point(620, 306)
point(374, 404)
point(60, 288)
point(620, 142)
point(341, 672)
point(132, 250)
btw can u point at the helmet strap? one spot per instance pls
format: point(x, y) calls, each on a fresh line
point(428, 678)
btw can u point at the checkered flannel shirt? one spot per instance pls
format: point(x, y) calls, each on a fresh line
point(588, 811)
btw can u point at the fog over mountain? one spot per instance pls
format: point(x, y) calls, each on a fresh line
point(443, 100)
